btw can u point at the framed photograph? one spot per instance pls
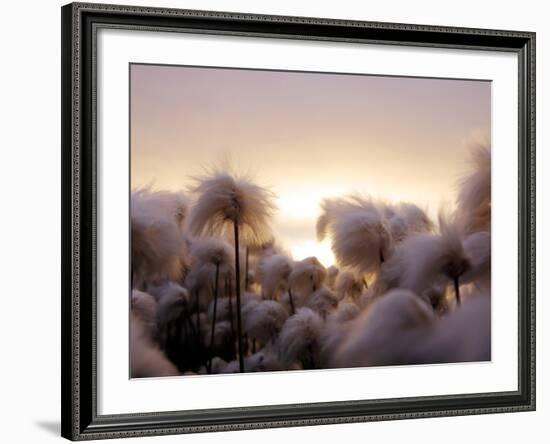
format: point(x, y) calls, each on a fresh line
point(278, 221)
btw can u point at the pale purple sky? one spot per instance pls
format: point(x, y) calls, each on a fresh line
point(306, 135)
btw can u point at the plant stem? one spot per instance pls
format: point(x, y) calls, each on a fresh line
point(230, 299)
point(216, 285)
point(291, 300)
point(457, 291)
point(246, 283)
point(231, 318)
point(238, 292)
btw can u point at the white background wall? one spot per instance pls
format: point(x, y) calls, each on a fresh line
point(30, 219)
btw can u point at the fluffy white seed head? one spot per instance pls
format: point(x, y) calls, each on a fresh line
point(385, 332)
point(334, 208)
point(264, 320)
point(223, 309)
point(400, 329)
point(416, 217)
point(206, 255)
point(222, 335)
point(274, 273)
point(477, 247)
point(212, 251)
point(345, 311)
point(347, 285)
point(157, 243)
point(306, 276)
point(462, 336)
point(166, 205)
point(200, 283)
point(364, 230)
point(146, 359)
point(407, 218)
point(223, 199)
point(144, 307)
point(335, 330)
point(168, 290)
point(322, 301)
point(299, 338)
point(361, 241)
point(421, 260)
point(173, 300)
point(332, 275)
point(265, 360)
point(474, 195)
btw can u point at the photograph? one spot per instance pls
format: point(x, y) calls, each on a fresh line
point(300, 221)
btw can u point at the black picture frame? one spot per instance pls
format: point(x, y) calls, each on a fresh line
point(79, 171)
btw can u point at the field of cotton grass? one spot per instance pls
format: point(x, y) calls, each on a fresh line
point(214, 292)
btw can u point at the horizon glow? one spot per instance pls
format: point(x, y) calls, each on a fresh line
point(306, 136)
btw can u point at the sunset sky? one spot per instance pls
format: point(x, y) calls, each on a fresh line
point(306, 136)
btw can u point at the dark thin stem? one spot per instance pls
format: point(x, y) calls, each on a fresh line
point(230, 299)
point(246, 283)
point(291, 300)
point(457, 291)
point(216, 285)
point(381, 256)
point(232, 321)
point(238, 292)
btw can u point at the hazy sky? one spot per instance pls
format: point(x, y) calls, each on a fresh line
point(306, 136)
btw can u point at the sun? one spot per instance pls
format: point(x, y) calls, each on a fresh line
point(298, 210)
point(308, 248)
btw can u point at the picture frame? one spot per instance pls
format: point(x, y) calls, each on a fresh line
point(80, 175)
